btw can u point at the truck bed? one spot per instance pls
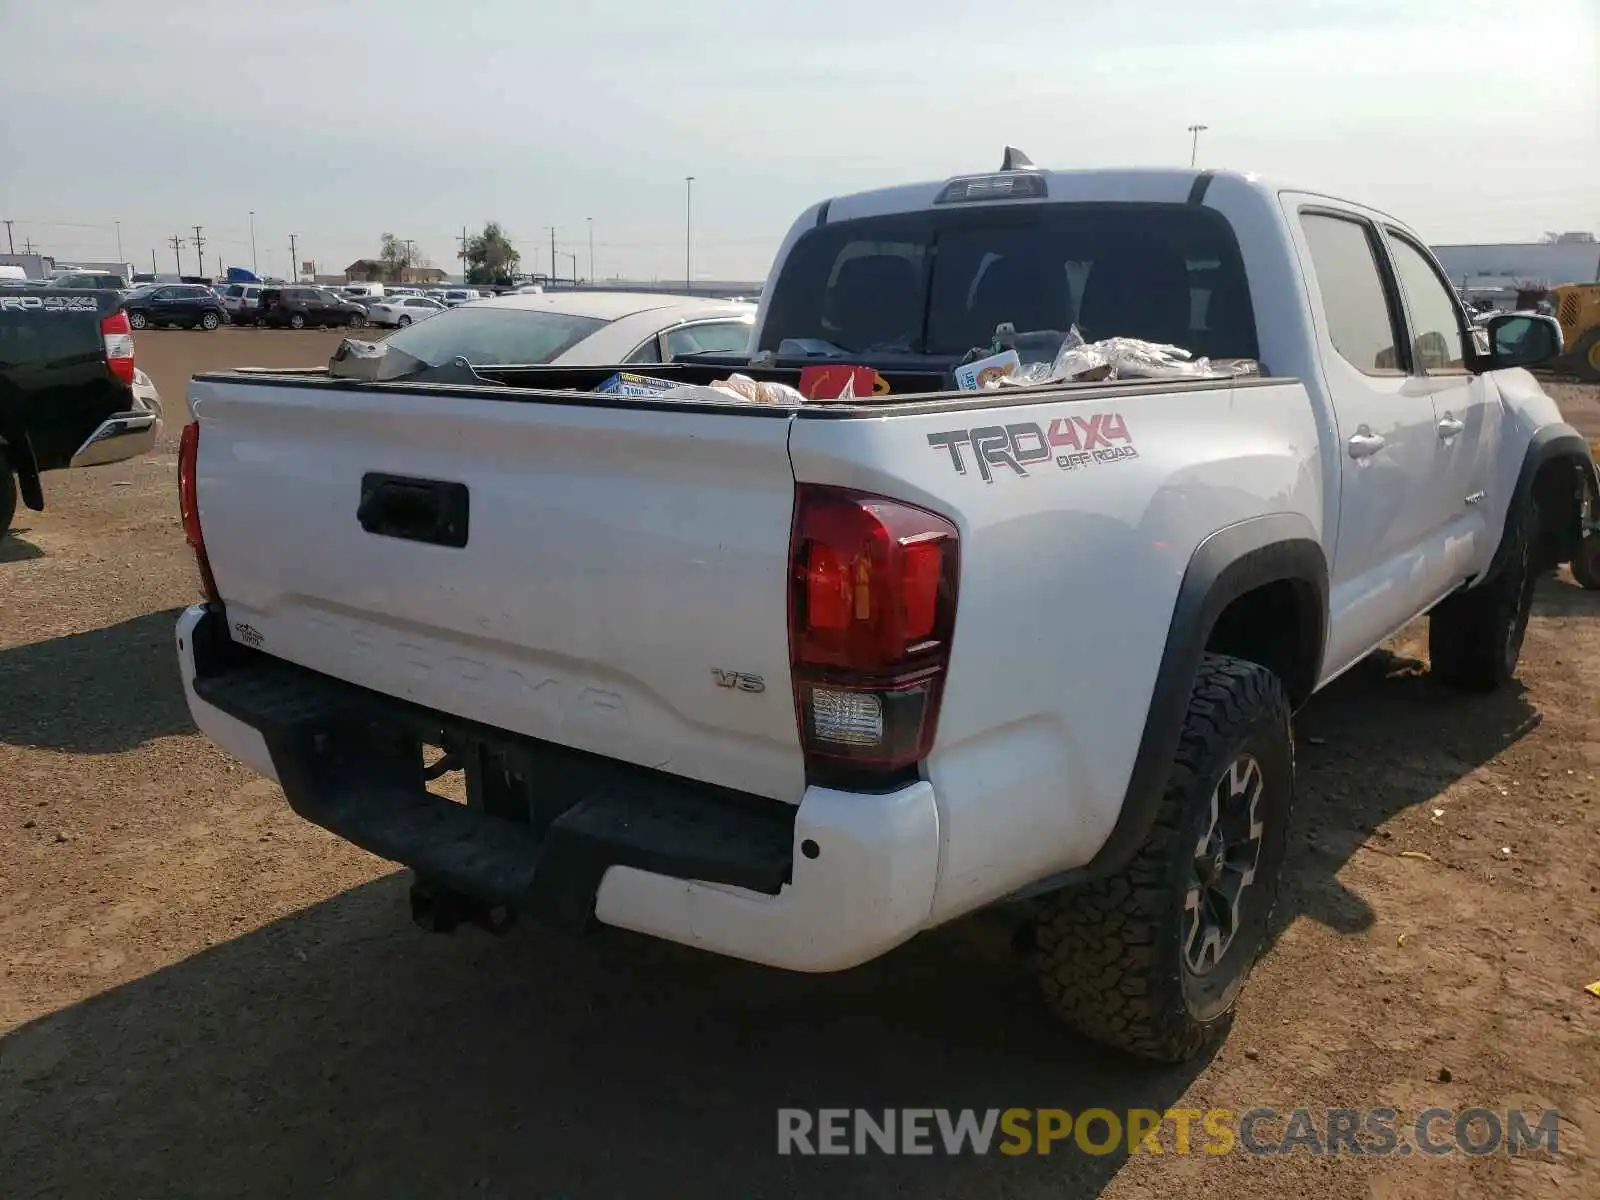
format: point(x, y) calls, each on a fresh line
point(910, 392)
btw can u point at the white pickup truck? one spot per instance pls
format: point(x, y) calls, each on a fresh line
point(793, 684)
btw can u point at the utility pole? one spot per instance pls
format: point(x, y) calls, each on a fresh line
point(410, 244)
point(119, 241)
point(688, 232)
point(176, 243)
point(553, 271)
point(1194, 146)
point(27, 246)
point(200, 251)
point(294, 260)
point(154, 270)
point(255, 267)
point(10, 245)
point(463, 254)
point(591, 250)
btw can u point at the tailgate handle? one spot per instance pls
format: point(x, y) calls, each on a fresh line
point(417, 510)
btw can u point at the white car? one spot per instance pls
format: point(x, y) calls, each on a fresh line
point(395, 311)
point(579, 329)
point(455, 297)
point(797, 682)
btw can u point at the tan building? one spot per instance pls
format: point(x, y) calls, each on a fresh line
point(372, 270)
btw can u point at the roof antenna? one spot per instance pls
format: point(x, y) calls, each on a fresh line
point(1015, 160)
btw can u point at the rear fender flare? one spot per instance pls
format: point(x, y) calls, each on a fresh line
point(1226, 565)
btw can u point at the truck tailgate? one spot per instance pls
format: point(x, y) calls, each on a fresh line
point(621, 589)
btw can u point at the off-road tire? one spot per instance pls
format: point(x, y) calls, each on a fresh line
point(1475, 637)
point(1586, 357)
point(8, 497)
point(1111, 954)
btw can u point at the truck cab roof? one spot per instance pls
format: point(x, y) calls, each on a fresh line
point(1093, 185)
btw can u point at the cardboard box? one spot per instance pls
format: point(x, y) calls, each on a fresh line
point(626, 383)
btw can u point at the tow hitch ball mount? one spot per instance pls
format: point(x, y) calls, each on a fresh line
point(439, 909)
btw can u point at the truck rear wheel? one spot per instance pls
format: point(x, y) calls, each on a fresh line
point(1475, 637)
point(1151, 960)
point(8, 497)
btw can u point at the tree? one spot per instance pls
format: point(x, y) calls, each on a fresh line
point(489, 256)
point(396, 257)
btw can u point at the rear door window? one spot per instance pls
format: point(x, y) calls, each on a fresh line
point(1361, 325)
point(941, 282)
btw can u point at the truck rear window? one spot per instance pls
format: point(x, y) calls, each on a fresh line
point(939, 282)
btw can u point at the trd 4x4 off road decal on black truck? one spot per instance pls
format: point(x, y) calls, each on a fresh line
point(1074, 443)
point(49, 304)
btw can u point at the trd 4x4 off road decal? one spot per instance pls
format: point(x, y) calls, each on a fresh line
point(1074, 443)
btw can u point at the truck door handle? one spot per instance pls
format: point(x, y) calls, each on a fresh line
point(415, 510)
point(1449, 428)
point(1365, 445)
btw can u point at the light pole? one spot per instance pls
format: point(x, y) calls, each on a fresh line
point(255, 266)
point(119, 240)
point(688, 232)
point(1194, 146)
point(590, 220)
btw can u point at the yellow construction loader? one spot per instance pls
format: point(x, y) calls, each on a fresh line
point(1577, 307)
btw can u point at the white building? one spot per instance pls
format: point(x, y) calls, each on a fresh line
point(1567, 260)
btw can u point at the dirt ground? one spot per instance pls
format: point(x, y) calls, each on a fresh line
point(205, 996)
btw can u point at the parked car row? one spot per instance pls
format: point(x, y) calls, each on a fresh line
point(292, 306)
point(398, 311)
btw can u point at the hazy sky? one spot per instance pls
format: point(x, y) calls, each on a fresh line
point(339, 119)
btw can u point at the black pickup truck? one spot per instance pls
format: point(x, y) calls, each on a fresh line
point(70, 395)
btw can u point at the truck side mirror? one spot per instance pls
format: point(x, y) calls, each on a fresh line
point(1520, 340)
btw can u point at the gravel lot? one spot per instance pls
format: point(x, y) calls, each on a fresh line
point(203, 995)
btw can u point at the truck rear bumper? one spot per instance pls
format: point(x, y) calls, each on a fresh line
point(822, 887)
point(119, 437)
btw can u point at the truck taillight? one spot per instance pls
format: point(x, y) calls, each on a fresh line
point(872, 607)
point(118, 336)
point(189, 505)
